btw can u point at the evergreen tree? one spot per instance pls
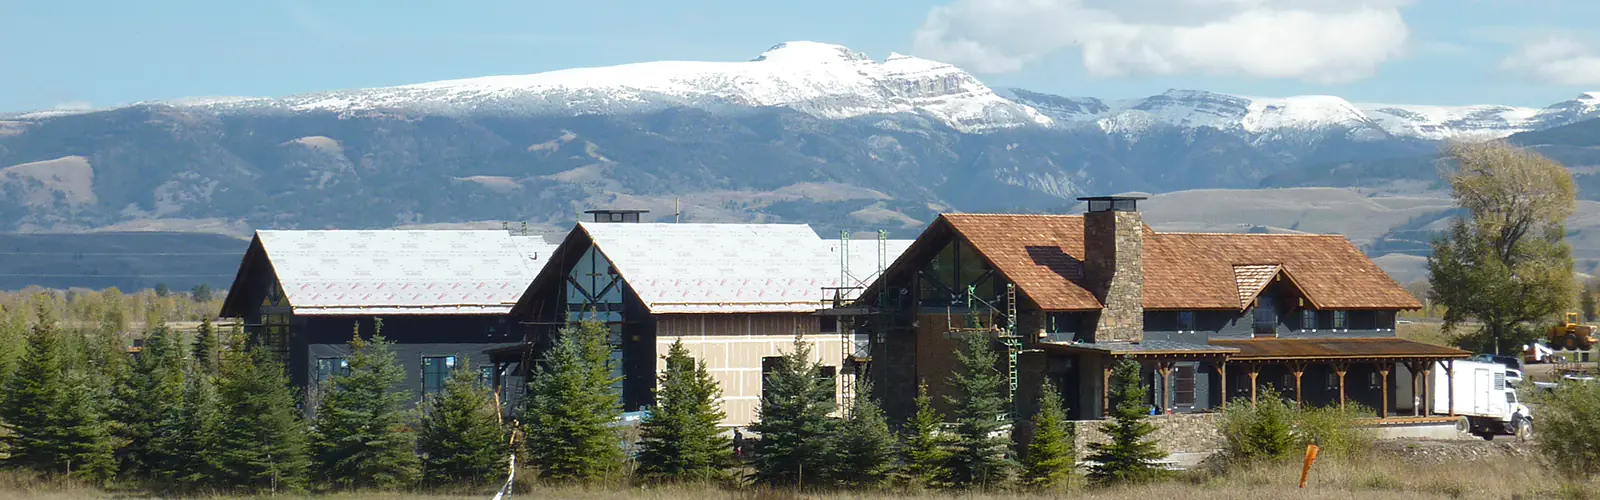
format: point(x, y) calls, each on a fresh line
point(1128, 456)
point(147, 407)
point(570, 407)
point(360, 438)
point(680, 438)
point(197, 453)
point(864, 454)
point(206, 347)
point(30, 403)
point(13, 342)
point(261, 438)
point(460, 433)
point(201, 293)
point(924, 452)
point(1051, 460)
point(794, 424)
point(979, 456)
point(84, 441)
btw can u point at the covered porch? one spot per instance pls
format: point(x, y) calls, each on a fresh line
point(1339, 371)
point(1182, 377)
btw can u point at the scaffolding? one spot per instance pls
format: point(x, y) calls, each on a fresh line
point(1006, 335)
point(853, 355)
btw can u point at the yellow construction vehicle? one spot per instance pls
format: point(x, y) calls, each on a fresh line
point(1572, 335)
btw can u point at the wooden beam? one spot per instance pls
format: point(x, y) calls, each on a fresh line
point(1105, 390)
point(1222, 376)
point(1427, 394)
point(1340, 369)
point(1166, 377)
point(1450, 378)
point(1298, 370)
point(1255, 369)
point(1383, 404)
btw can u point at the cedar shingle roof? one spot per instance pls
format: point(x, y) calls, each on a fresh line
point(1043, 255)
point(1251, 279)
point(1337, 348)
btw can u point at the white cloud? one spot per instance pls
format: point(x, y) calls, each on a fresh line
point(1323, 41)
point(1559, 60)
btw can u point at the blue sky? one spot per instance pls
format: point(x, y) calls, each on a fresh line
point(1521, 52)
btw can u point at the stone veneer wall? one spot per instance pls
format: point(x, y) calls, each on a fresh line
point(1113, 246)
point(1183, 433)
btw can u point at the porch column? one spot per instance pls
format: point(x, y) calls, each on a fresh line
point(1222, 376)
point(1165, 368)
point(1298, 368)
point(1255, 369)
point(1105, 391)
point(1450, 378)
point(1427, 394)
point(1416, 387)
point(1339, 369)
point(1383, 404)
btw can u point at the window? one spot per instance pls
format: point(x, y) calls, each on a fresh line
point(332, 367)
point(1266, 318)
point(1385, 320)
point(769, 365)
point(830, 324)
point(1339, 322)
point(435, 369)
point(486, 376)
point(1183, 385)
point(827, 373)
point(1308, 320)
point(1186, 321)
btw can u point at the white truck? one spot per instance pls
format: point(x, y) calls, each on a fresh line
point(1486, 403)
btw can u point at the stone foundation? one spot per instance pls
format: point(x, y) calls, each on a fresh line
point(1193, 433)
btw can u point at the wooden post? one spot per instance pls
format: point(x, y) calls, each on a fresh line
point(1339, 369)
point(1416, 387)
point(1255, 369)
point(1427, 394)
point(1383, 404)
point(1166, 373)
point(1298, 368)
point(1105, 390)
point(1222, 376)
point(1450, 378)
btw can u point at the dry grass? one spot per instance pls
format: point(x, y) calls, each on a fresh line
point(1376, 477)
point(1425, 332)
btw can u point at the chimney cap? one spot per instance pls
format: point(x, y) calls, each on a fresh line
point(1135, 195)
point(615, 211)
point(1126, 202)
point(615, 215)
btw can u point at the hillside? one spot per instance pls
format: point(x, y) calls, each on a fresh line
point(803, 132)
point(127, 261)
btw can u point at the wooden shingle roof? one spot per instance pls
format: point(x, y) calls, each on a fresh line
point(1043, 255)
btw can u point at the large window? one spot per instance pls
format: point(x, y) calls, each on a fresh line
point(1186, 321)
point(1340, 321)
point(1265, 317)
point(332, 367)
point(1308, 320)
point(1183, 385)
point(435, 369)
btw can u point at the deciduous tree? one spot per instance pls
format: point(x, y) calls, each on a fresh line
point(1506, 263)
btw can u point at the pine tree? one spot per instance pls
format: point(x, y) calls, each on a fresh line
point(147, 407)
point(360, 436)
point(794, 424)
point(262, 437)
point(1051, 460)
point(1128, 456)
point(680, 438)
point(570, 407)
point(460, 433)
point(864, 454)
point(925, 451)
point(31, 401)
point(979, 456)
point(206, 347)
point(84, 440)
point(198, 451)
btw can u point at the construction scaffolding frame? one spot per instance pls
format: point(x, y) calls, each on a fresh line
point(852, 356)
point(1006, 335)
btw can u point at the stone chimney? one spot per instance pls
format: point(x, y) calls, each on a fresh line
point(1113, 268)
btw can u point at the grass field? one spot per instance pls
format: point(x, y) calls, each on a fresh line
point(1379, 476)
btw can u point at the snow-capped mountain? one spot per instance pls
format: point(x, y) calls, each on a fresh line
point(835, 82)
point(824, 80)
point(805, 132)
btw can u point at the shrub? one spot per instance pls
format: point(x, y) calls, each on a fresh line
point(1272, 429)
point(1569, 412)
point(1338, 432)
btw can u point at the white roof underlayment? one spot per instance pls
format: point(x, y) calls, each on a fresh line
point(403, 272)
point(728, 268)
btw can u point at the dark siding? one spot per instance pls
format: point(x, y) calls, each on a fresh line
point(414, 337)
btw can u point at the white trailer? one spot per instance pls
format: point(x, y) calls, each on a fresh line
point(1486, 403)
